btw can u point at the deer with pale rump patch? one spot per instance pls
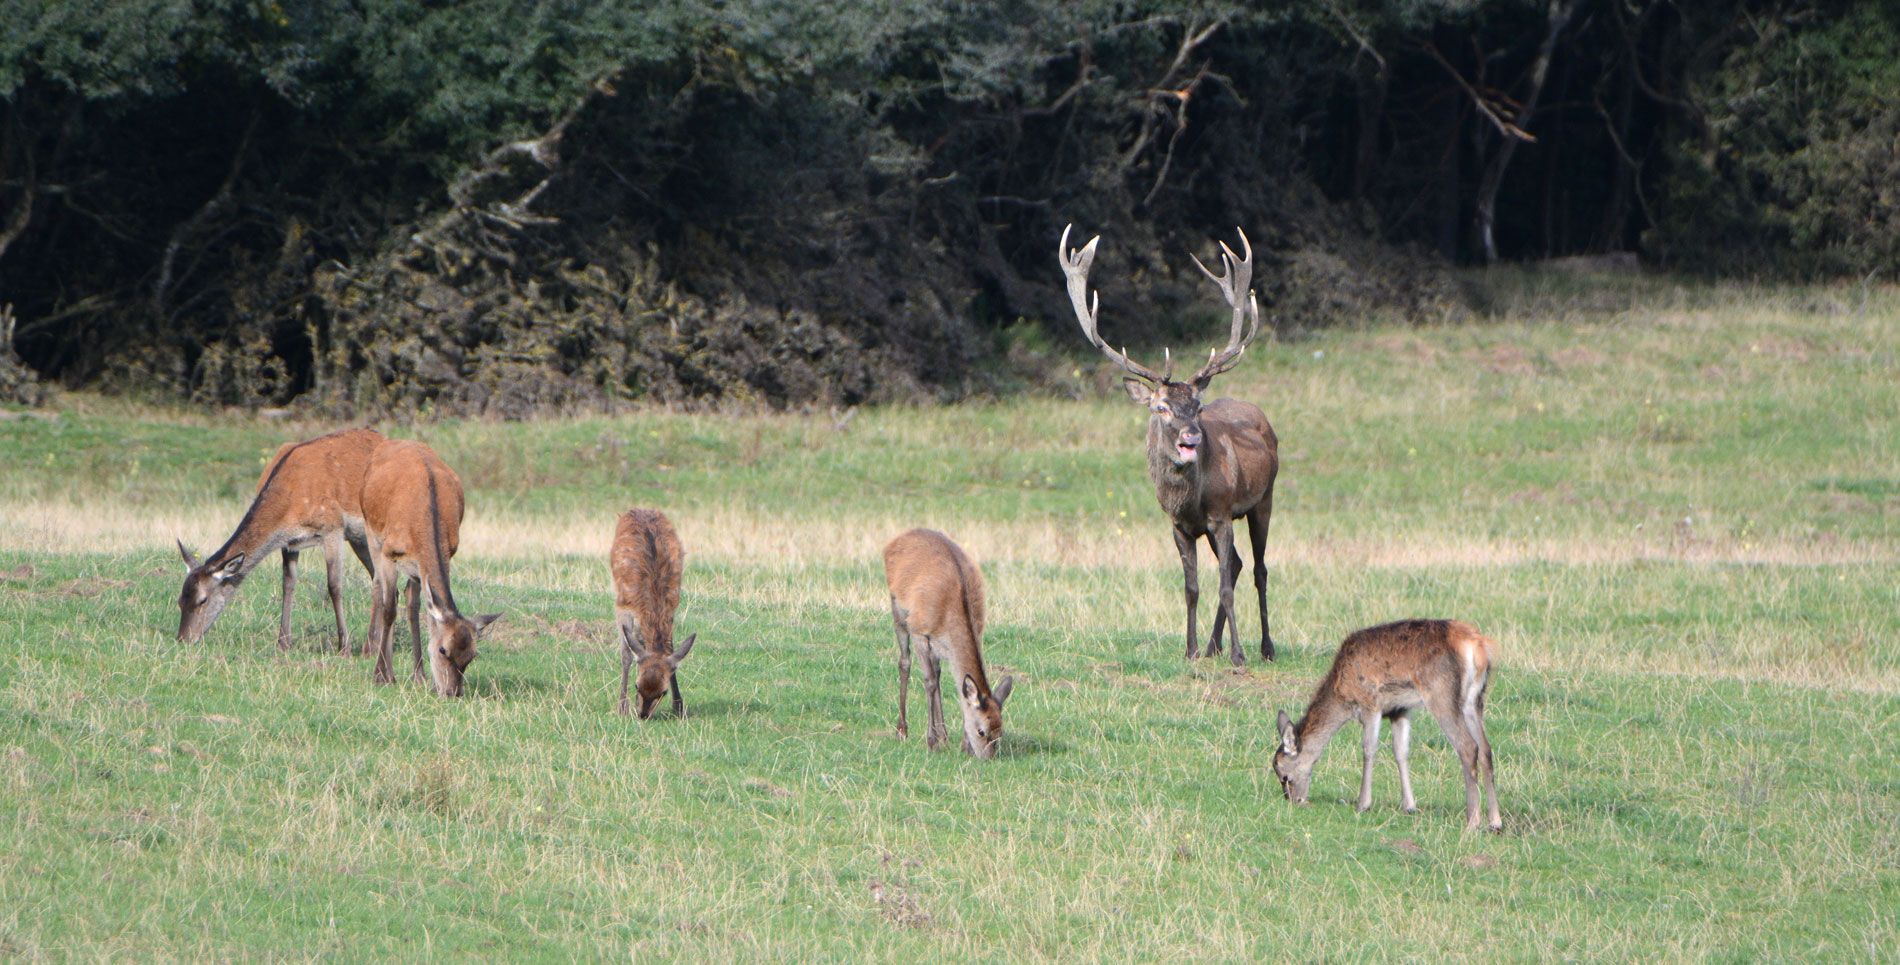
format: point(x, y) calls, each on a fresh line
point(646, 561)
point(937, 606)
point(1386, 672)
point(310, 494)
point(1210, 464)
point(412, 510)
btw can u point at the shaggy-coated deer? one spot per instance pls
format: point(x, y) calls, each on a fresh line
point(412, 508)
point(1211, 464)
point(1386, 672)
point(646, 563)
point(937, 602)
point(310, 494)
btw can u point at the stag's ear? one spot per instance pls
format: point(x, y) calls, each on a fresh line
point(231, 570)
point(1141, 391)
point(1001, 693)
point(191, 559)
point(1288, 741)
point(673, 660)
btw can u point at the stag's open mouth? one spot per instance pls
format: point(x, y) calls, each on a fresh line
point(1187, 451)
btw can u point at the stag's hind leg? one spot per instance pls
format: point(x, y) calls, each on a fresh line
point(1257, 535)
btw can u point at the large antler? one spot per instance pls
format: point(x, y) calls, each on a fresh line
point(1238, 275)
point(1075, 266)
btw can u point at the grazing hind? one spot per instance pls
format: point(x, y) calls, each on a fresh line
point(310, 494)
point(646, 563)
point(937, 603)
point(1386, 672)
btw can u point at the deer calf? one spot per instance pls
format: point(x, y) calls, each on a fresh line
point(310, 494)
point(646, 564)
point(1386, 672)
point(937, 602)
point(412, 509)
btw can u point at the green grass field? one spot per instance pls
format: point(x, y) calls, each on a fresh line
point(1676, 508)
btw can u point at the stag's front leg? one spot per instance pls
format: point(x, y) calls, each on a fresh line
point(1221, 538)
point(290, 594)
point(1190, 584)
point(679, 702)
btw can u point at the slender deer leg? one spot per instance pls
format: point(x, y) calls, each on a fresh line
point(679, 702)
point(1402, 751)
point(903, 672)
point(290, 594)
point(937, 735)
point(1369, 744)
point(1474, 722)
point(1220, 612)
point(382, 621)
point(413, 594)
point(1257, 535)
point(629, 632)
point(1451, 721)
point(361, 548)
point(1190, 585)
point(333, 582)
point(1222, 539)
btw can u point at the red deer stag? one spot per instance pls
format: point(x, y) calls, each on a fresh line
point(937, 602)
point(646, 564)
point(1387, 672)
point(310, 494)
point(412, 508)
point(1211, 464)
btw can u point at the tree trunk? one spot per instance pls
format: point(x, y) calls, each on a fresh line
point(1487, 200)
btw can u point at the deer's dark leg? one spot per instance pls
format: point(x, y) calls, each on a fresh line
point(414, 595)
point(629, 629)
point(938, 735)
point(1190, 585)
point(1222, 540)
point(1257, 535)
point(290, 594)
point(679, 702)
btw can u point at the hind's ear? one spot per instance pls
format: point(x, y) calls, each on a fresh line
point(678, 655)
point(1288, 741)
point(231, 570)
point(968, 689)
point(482, 622)
point(191, 559)
point(1001, 693)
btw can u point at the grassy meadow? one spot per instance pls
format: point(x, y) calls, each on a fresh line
point(1677, 509)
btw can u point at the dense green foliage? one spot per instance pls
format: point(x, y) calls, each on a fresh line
point(487, 206)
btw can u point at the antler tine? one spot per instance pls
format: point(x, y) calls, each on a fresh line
point(1075, 268)
point(1234, 286)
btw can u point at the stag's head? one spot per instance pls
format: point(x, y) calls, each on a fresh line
point(1175, 407)
point(1294, 771)
point(983, 716)
point(207, 589)
point(655, 671)
point(452, 639)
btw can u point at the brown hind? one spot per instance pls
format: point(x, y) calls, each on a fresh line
point(310, 494)
point(1386, 672)
point(937, 604)
point(646, 562)
point(412, 508)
